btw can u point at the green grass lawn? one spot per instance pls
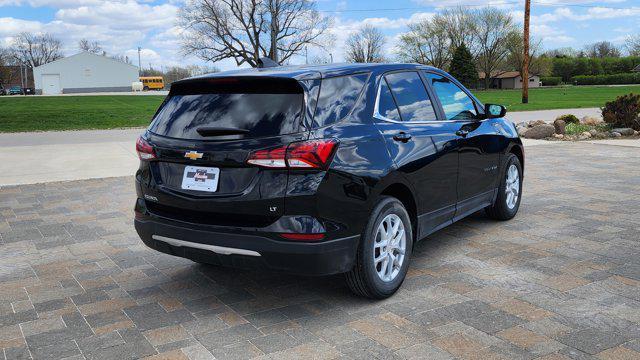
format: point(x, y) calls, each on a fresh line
point(556, 97)
point(42, 113)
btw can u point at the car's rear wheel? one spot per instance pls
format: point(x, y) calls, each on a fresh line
point(384, 251)
point(507, 202)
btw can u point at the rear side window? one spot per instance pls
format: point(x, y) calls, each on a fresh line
point(411, 96)
point(237, 107)
point(337, 97)
point(386, 105)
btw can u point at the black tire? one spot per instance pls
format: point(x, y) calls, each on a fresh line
point(499, 210)
point(363, 279)
point(146, 88)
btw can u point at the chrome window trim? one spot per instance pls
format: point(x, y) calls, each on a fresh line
point(377, 115)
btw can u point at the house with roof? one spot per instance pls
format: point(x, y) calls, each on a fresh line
point(508, 80)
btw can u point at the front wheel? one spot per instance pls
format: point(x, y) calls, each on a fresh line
point(384, 251)
point(507, 202)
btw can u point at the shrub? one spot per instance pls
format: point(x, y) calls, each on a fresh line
point(577, 129)
point(551, 80)
point(616, 79)
point(570, 67)
point(623, 111)
point(569, 119)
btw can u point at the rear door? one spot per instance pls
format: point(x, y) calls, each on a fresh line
point(479, 144)
point(207, 129)
point(423, 148)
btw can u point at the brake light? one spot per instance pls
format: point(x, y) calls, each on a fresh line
point(144, 149)
point(311, 154)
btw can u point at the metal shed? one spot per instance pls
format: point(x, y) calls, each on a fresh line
point(84, 73)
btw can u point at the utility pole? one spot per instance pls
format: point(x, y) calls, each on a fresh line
point(525, 65)
point(139, 62)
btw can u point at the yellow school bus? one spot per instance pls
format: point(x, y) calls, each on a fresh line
point(152, 82)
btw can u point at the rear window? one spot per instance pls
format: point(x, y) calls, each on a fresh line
point(240, 106)
point(337, 97)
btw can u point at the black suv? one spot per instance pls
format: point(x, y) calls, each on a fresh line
point(319, 170)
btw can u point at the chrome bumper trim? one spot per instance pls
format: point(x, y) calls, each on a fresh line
point(216, 249)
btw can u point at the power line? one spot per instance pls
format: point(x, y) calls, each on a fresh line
point(479, 5)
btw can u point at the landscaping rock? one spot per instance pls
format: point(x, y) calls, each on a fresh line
point(584, 136)
point(615, 134)
point(624, 131)
point(540, 132)
point(534, 123)
point(591, 120)
point(522, 130)
point(636, 133)
point(559, 126)
point(593, 132)
point(558, 136)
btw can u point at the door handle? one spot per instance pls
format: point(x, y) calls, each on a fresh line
point(462, 133)
point(402, 136)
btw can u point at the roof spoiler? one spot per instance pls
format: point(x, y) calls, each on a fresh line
point(265, 62)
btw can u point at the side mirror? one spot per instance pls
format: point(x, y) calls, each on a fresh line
point(493, 111)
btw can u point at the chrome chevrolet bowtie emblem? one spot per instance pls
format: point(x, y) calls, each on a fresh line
point(193, 155)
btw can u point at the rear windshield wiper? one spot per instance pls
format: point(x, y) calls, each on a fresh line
point(220, 131)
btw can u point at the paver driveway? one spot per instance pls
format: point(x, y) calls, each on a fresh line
point(561, 280)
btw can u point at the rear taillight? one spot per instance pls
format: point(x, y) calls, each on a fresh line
point(144, 149)
point(311, 154)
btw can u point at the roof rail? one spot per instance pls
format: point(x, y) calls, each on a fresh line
point(265, 62)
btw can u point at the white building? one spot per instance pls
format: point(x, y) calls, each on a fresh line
point(82, 73)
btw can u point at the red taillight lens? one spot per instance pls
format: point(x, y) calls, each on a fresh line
point(144, 149)
point(271, 158)
point(312, 154)
point(303, 237)
point(315, 154)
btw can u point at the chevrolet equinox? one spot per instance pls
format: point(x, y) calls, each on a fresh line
point(318, 170)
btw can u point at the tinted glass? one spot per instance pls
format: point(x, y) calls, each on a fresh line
point(337, 97)
point(457, 105)
point(261, 114)
point(411, 96)
point(386, 105)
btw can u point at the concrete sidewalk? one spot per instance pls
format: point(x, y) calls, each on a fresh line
point(550, 115)
point(30, 158)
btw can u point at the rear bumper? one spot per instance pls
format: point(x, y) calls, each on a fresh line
point(248, 250)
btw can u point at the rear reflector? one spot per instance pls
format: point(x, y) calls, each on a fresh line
point(144, 149)
point(311, 154)
point(302, 237)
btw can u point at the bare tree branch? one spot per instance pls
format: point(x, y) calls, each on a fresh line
point(365, 45)
point(35, 50)
point(246, 30)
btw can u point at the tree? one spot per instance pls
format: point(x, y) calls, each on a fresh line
point(365, 45)
point(7, 75)
point(463, 67)
point(90, 46)
point(426, 43)
point(246, 30)
point(36, 49)
point(460, 25)
point(123, 58)
point(493, 28)
point(602, 49)
point(632, 44)
point(538, 64)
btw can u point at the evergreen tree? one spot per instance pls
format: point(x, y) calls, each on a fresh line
point(463, 68)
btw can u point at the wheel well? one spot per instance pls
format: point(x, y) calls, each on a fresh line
point(515, 150)
point(404, 194)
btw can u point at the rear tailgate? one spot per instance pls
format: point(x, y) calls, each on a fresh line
point(266, 113)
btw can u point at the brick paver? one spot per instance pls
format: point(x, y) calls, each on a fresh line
point(560, 281)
